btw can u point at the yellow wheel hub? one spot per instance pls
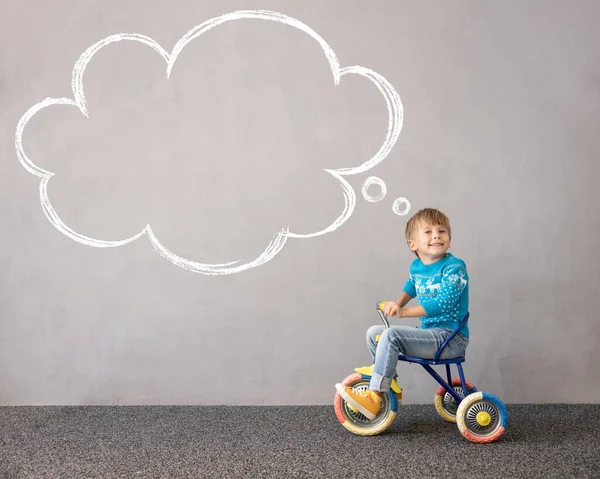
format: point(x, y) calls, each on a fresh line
point(483, 418)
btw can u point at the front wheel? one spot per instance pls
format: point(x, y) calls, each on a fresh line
point(358, 423)
point(481, 417)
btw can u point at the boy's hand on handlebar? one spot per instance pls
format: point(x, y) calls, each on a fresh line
point(391, 308)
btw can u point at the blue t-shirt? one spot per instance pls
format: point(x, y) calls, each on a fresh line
point(442, 288)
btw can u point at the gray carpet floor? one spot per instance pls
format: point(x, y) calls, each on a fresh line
point(542, 441)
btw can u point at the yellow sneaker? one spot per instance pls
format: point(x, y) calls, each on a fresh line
point(368, 371)
point(366, 402)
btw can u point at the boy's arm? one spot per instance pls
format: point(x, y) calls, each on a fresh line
point(409, 293)
point(412, 312)
point(404, 299)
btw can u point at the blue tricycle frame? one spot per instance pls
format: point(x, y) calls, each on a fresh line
point(481, 417)
point(426, 363)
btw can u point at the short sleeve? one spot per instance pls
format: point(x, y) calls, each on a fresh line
point(409, 287)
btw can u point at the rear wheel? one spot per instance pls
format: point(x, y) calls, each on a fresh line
point(358, 423)
point(445, 404)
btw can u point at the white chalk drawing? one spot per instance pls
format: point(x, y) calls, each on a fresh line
point(395, 122)
point(396, 206)
point(373, 180)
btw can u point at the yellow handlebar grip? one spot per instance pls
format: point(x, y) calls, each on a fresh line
point(381, 305)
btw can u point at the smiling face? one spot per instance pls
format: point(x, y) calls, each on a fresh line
point(430, 242)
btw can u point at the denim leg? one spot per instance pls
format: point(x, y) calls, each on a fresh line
point(406, 340)
point(372, 333)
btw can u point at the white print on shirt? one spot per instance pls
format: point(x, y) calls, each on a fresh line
point(455, 278)
point(433, 287)
point(419, 287)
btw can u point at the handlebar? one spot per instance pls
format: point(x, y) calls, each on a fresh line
point(379, 306)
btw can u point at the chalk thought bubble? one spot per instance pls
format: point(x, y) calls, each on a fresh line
point(279, 239)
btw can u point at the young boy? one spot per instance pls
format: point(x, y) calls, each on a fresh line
point(440, 282)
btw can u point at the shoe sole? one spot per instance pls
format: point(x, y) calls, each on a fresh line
point(341, 389)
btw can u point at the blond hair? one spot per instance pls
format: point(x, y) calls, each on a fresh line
point(428, 216)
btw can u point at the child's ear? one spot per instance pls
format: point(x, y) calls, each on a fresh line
point(411, 245)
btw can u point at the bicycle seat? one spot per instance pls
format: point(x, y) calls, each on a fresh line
point(413, 359)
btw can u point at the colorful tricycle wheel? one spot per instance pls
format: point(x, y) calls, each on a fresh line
point(445, 404)
point(481, 417)
point(356, 422)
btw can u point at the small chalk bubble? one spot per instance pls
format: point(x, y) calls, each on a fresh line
point(398, 203)
point(373, 180)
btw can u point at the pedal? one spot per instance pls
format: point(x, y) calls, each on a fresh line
point(365, 370)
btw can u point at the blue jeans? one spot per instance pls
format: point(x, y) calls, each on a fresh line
point(409, 341)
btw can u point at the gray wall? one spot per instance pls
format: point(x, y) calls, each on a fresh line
point(501, 106)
